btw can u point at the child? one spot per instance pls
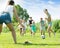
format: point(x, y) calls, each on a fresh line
point(6, 15)
point(33, 28)
point(49, 22)
point(22, 27)
point(42, 28)
point(30, 23)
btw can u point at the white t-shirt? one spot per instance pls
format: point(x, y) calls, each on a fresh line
point(9, 9)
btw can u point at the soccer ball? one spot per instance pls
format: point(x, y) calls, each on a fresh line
point(43, 37)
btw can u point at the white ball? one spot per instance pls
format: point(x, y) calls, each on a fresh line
point(43, 37)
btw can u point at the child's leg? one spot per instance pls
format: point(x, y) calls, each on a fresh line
point(49, 31)
point(30, 30)
point(23, 31)
point(20, 31)
point(41, 32)
point(33, 33)
point(44, 33)
point(52, 31)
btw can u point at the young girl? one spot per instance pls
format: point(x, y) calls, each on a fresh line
point(22, 27)
point(33, 28)
point(42, 28)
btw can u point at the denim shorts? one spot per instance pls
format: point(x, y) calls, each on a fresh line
point(5, 18)
point(49, 23)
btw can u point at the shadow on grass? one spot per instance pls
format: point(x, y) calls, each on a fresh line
point(39, 44)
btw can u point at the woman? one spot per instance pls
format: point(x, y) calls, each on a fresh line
point(49, 22)
point(5, 17)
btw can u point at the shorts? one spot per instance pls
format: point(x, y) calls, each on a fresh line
point(49, 23)
point(42, 28)
point(33, 29)
point(5, 18)
point(23, 29)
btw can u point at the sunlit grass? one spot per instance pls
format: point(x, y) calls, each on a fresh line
point(6, 41)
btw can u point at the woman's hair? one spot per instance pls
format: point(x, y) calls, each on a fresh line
point(11, 2)
point(45, 9)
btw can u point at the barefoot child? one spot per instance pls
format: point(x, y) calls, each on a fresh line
point(22, 27)
point(33, 28)
point(30, 23)
point(42, 28)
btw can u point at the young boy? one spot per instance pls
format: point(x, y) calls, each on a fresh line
point(33, 28)
point(49, 22)
point(42, 28)
point(30, 24)
point(22, 27)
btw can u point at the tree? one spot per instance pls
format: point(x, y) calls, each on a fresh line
point(22, 13)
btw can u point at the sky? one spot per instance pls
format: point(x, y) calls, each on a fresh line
point(35, 8)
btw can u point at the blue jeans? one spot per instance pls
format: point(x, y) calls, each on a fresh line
point(5, 18)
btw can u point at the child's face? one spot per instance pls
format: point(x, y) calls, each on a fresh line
point(30, 17)
point(41, 18)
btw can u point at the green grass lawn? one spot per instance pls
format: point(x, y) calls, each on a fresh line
point(6, 41)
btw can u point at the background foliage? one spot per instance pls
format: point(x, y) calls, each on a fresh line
point(22, 13)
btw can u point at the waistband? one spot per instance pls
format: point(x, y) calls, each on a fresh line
point(5, 12)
